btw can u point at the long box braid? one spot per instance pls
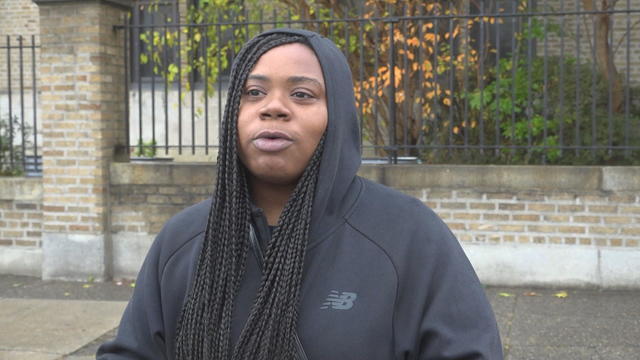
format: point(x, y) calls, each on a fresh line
point(204, 327)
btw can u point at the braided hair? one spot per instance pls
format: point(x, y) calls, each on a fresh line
point(204, 327)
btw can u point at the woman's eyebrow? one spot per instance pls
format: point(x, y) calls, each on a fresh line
point(296, 79)
point(304, 79)
point(258, 77)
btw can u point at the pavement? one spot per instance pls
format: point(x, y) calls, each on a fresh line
point(46, 320)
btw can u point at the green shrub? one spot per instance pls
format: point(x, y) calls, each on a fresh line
point(537, 110)
point(11, 155)
point(556, 121)
point(146, 149)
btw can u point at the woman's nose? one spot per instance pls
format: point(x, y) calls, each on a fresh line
point(275, 108)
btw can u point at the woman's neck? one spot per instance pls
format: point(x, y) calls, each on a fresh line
point(271, 198)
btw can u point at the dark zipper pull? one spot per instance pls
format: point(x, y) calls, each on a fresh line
point(301, 354)
point(255, 246)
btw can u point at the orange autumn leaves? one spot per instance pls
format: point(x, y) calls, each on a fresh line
point(429, 57)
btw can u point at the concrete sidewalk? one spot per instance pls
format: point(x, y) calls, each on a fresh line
point(68, 320)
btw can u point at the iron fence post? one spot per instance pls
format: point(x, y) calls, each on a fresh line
point(11, 154)
point(125, 37)
point(35, 106)
point(393, 151)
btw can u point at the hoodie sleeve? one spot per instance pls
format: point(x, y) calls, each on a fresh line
point(442, 311)
point(458, 322)
point(140, 334)
point(149, 322)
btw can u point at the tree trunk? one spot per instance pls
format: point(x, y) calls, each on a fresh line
point(604, 54)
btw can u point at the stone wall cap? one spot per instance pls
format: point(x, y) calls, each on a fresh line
point(479, 177)
point(162, 173)
point(20, 188)
point(621, 178)
point(120, 3)
point(507, 177)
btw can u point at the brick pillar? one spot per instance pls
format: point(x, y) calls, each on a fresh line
point(82, 112)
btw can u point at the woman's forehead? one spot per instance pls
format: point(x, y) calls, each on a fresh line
point(294, 61)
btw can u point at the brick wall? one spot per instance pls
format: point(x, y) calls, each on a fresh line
point(143, 197)
point(20, 226)
point(488, 206)
point(535, 225)
point(17, 17)
point(585, 216)
point(20, 212)
point(82, 72)
point(525, 217)
point(21, 223)
point(581, 206)
point(76, 110)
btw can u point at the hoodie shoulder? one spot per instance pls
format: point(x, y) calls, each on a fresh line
point(409, 232)
point(380, 207)
point(181, 229)
point(145, 331)
point(440, 305)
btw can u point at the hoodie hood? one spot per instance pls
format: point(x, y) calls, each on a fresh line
point(341, 157)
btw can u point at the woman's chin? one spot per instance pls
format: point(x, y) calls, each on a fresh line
point(275, 177)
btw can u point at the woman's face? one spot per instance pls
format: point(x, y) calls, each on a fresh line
point(283, 114)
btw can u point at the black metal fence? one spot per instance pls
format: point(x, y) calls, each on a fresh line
point(18, 107)
point(509, 85)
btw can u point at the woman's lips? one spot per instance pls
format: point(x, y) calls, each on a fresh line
point(272, 141)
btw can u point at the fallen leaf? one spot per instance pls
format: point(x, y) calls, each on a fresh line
point(16, 284)
point(133, 285)
point(561, 294)
point(505, 294)
point(531, 293)
point(67, 294)
point(86, 286)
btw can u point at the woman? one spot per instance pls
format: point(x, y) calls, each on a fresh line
point(297, 257)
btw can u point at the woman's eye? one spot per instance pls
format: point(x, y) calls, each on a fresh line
point(302, 95)
point(253, 92)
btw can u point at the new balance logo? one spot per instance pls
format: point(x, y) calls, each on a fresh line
point(339, 300)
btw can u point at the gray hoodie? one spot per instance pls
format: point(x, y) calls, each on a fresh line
point(384, 277)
